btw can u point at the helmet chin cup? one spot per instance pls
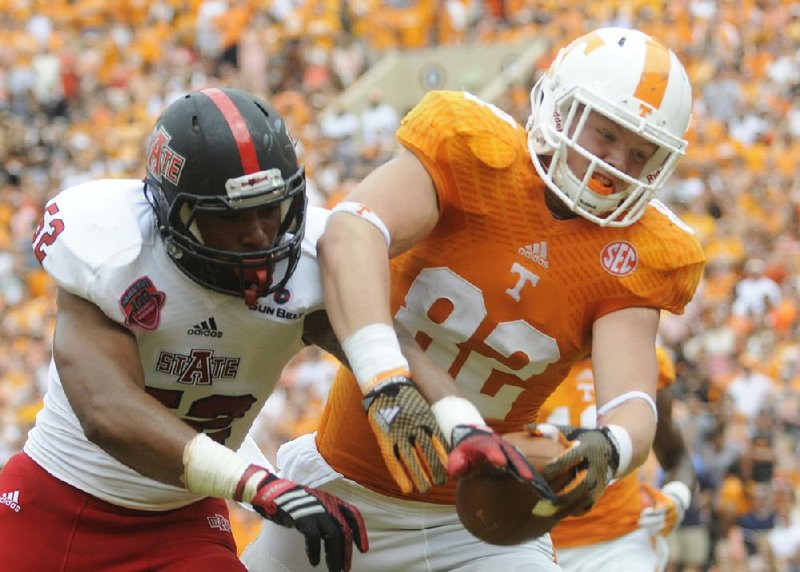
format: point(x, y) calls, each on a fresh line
point(590, 204)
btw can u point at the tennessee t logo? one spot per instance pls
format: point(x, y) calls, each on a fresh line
point(525, 277)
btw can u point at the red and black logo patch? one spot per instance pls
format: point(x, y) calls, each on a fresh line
point(282, 296)
point(141, 303)
point(163, 162)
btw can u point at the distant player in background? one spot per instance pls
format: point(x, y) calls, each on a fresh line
point(626, 529)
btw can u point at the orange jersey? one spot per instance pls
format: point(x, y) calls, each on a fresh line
point(617, 511)
point(502, 294)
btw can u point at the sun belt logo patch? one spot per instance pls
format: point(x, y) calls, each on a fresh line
point(619, 258)
point(141, 303)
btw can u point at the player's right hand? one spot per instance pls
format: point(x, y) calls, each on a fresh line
point(319, 516)
point(411, 442)
point(473, 446)
point(666, 509)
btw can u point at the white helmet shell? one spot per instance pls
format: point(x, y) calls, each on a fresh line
point(633, 80)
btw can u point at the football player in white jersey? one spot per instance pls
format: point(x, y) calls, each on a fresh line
point(180, 300)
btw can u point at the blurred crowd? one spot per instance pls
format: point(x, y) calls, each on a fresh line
point(81, 82)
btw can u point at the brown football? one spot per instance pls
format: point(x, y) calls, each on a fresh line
point(497, 508)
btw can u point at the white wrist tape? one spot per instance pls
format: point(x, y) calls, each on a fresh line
point(213, 470)
point(366, 214)
point(372, 351)
point(453, 410)
point(680, 492)
point(622, 441)
point(620, 399)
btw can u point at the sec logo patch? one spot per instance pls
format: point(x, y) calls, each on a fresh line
point(619, 258)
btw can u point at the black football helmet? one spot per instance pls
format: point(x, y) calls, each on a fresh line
point(221, 150)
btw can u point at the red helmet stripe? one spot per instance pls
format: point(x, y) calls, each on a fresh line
point(241, 134)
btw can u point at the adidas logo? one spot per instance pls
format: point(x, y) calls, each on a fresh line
point(11, 500)
point(536, 252)
point(387, 415)
point(207, 328)
point(219, 522)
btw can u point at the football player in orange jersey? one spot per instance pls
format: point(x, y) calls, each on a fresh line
point(631, 520)
point(515, 253)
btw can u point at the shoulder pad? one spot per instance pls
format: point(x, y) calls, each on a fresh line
point(316, 218)
point(666, 368)
point(88, 228)
point(487, 132)
point(670, 259)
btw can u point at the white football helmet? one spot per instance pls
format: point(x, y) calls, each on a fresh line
point(633, 80)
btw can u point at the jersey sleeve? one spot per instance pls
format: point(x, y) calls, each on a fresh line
point(316, 219)
point(459, 137)
point(671, 261)
point(79, 237)
point(666, 368)
point(306, 283)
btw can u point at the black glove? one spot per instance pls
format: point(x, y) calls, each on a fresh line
point(319, 516)
point(593, 458)
point(411, 442)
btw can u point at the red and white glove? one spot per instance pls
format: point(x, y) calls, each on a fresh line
point(317, 515)
point(211, 469)
point(475, 446)
point(473, 442)
point(668, 507)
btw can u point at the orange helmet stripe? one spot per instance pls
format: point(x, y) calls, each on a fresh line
point(653, 83)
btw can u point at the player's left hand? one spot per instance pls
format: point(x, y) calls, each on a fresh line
point(319, 516)
point(668, 508)
point(593, 459)
point(411, 442)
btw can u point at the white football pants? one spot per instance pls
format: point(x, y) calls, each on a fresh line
point(404, 536)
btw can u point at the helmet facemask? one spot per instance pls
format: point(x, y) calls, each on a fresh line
point(563, 100)
point(250, 274)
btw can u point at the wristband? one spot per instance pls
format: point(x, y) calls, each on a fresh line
point(365, 213)
point(452, 410)
point(680, 492)
point(213, 470)
point(372, 352)
point(621, 441)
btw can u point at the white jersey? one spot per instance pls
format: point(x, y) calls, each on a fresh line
point(206, 356)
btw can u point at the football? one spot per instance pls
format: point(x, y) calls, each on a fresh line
point(496, 508)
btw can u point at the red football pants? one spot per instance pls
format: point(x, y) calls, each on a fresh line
point(48, 526)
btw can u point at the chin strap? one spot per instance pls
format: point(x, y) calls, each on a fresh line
point(258, 280)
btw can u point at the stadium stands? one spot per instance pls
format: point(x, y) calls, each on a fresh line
point(82, 80)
